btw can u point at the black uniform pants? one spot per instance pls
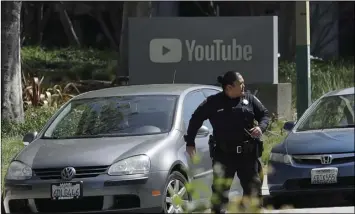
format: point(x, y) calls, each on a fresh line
point(248, 169)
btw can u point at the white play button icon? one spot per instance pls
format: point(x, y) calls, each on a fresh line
point(165, 50)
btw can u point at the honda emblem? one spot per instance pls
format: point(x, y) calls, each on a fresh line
point(326, 159)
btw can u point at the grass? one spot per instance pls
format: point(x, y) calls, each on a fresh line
point(69, 63)
point(273, 136)
point(10, 146)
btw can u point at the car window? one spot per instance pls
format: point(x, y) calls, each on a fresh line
point(209, 92)
point(330, 112)
point(114, 116)
point(191, 102)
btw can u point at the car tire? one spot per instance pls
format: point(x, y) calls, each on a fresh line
point(174, 178)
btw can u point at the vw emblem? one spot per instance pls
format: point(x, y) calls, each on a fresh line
point(326, 159)
point(68, 173)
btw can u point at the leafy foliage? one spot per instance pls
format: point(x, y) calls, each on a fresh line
point(35, 95)
point(69, 64)
point(325, 76)
point(35, 119)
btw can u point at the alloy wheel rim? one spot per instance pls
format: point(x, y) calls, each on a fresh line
point(176, 188)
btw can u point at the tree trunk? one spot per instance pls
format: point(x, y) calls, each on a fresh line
point(68, 26)
point(43, 18)
point(29, 23)
point(106, 31)
point(11, 86)
point(116, 20)
point(130, 9)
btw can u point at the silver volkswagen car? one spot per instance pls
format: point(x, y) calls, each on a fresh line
point(111, 150)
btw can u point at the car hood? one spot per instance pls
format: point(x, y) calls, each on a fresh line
point(320, 142)
point(52, 153)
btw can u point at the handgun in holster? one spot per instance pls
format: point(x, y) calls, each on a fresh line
point(259, 147)
point(258, 143)
point(212, 146)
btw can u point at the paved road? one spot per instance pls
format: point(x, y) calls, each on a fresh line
point(313, 209)
point(306, 208)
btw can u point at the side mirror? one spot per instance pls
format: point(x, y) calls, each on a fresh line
point(29, 137)
point(203, 132)
point(288, 126)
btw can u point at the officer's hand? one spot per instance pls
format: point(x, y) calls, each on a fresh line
point(191, 150)
point(256, 131)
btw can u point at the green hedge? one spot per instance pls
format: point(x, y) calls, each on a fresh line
point(35, 119)
point(325, 76)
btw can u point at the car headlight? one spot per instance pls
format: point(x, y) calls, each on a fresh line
point(281, 158)
point(18, 171)
point(139, 164)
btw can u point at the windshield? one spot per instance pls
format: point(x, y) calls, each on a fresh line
point(114, 116)
point(330, 112)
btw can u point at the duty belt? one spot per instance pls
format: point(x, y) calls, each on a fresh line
point(244, 147)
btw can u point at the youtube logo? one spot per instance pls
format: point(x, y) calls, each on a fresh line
point(167, 50)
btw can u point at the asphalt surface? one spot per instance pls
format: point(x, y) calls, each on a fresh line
point(324, 204)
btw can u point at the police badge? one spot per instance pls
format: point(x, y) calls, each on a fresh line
point(245, 101)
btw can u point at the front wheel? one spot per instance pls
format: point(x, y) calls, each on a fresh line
point(175, 190)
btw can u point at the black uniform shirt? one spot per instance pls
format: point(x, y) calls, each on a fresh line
point(228, 117)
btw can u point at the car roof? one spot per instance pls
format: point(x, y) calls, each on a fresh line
point(149, 89)
point(340, 92)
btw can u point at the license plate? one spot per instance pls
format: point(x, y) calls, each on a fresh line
point(67, 190)
point(324, 175)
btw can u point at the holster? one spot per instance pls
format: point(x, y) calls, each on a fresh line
point(259, 146)
point(212, 146)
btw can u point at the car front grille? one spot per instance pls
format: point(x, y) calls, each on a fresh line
point(78, 205)
point(81, 172)
point(298, 184)
point(338, 160)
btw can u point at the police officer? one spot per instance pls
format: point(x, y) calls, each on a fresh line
point(232, 113)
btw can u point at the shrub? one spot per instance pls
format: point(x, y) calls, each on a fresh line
point(10, 146)
point(35, 119)
point(69, 63)
point(325, 76)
